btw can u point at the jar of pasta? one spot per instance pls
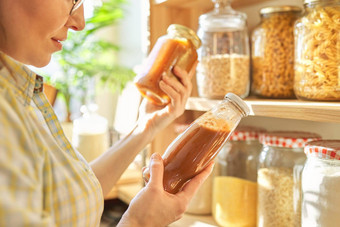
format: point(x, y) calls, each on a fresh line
point(279, 178)
point(317, 48)
point(177, 47)
point(235, 184)
point(224, 55)
point(273, 52)
point(321, 184)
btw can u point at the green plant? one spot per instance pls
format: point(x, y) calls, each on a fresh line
point(87, 57)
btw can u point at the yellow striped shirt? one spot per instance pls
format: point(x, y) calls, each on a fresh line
point(43, 180)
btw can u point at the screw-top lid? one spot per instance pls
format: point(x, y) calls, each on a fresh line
point(243, 133)
point(242, 106)
point(324, 149)
point(280, 9)
point(289, 139)
point(186, 33)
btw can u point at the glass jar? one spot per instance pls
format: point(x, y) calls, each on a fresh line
point(317, 48)
point(178, 47)
point(279, 177)
point(321, 184)
point(199, 144)
point(224, 55)
point(235, 184)
point(273, 52)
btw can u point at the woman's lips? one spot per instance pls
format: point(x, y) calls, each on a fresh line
point(57, 43)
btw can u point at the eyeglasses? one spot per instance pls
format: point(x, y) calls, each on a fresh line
point(76, 5)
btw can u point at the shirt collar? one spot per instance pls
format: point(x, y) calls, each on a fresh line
point(24, 82)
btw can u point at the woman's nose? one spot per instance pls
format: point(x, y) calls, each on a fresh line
point(76, 21)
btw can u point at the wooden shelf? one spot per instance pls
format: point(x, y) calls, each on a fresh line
point(203, 3)
point(289, 109)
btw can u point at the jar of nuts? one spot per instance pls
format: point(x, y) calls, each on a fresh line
point(279, 177)
point(224, 55)
point(273, 52)
point(317, 51)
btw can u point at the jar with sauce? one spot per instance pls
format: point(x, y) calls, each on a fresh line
point(199, 144)
point(321, 184)
point(279, 177)
point(317, 48)
point(235, 184)
point(273, 52)
point(177, 47)
point(224, 55)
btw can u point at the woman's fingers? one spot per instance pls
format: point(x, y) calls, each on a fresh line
point(156, 171)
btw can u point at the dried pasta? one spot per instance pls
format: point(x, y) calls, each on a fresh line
point(219, 74)
point(317, 63)
point(273, 56)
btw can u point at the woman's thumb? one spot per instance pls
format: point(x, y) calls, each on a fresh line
point(156, 170)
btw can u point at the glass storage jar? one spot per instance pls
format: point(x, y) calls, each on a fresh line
point(178, 47)
point(317, 51)
point(235, 182)
point(199, 144)
point(273, 52)
point(224, 55)
point(279, 177)
point(321, 184)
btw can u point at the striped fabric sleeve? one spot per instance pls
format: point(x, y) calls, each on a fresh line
point(21, 202)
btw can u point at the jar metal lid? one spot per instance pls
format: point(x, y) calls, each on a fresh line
point(185, 32)
point(246, 133)
point(289, 139)
point(280, 9)
point(324, 149)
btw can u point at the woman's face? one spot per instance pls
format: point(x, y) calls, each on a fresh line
point(31, 30)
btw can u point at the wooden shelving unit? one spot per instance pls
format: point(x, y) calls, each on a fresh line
point(289, 109)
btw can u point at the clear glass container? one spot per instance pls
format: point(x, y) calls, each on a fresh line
point(178, 47)
point(279, 177)
point(199, 144)
point(224, 55)
point(321, 184)
point(235, 183)
point(273, 52)
point(317, 48)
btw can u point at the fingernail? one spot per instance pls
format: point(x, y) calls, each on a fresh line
point(155, 157)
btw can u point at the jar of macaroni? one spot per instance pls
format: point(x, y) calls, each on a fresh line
point(273, 52)
point(317, 48)
point(224, 55)
point(279, 177)
point(177, 47)
point(321, 184)
point(235, 184)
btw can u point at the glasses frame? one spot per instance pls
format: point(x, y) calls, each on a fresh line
point(75, 5)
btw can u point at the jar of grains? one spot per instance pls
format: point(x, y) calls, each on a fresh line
point(317, 51)
point(224, 55)
point(235, 183)
point(279, 178)
point(321, 184)
point(273, 52)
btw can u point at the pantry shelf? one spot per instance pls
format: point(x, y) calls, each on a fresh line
point(289, 109)
point(203, 3)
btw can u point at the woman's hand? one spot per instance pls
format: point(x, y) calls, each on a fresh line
point(153, 206)
point(153, 118)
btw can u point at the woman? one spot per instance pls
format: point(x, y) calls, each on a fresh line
point(43, 180)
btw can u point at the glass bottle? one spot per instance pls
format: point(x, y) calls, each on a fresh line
point(273, 52)
point(199, 144)
point(90, 133)
point(224, 55)
point(321, 183)
point(235, 184)
point(279, 177)
point(177, 47)
point(317, 48)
